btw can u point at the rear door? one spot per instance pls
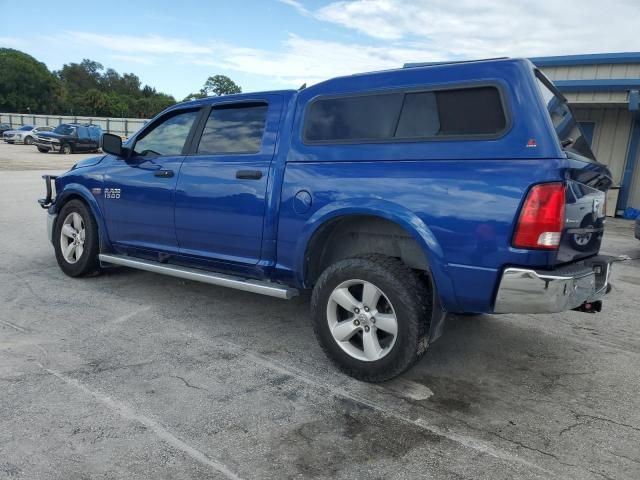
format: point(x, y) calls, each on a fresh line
point(220, 195)
point(84, 141)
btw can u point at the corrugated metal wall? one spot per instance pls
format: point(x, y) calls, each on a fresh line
point(593, 72)
point(610, 137)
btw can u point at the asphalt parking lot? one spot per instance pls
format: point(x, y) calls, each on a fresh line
point(27, 157)
point(133, 375)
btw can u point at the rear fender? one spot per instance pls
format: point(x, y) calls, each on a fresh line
point(395, 213)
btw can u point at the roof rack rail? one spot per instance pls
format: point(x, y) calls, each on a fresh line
point(453, 62)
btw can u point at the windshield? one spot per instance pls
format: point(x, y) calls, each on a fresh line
point(568, 130)
point(64, 129)
point(26, 127)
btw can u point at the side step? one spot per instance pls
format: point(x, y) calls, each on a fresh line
point(255, 286)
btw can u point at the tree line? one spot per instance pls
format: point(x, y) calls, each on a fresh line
point(85, 88)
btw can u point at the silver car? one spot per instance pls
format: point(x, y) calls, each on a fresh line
point(24, 135)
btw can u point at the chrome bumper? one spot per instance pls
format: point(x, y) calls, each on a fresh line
point(540, 291)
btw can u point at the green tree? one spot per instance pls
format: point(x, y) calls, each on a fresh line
point(26, 84)
point(80, 77)
point(217, 85)
point(220, 85)
point(84, 88)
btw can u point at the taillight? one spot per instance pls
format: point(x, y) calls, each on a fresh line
point(542, 218)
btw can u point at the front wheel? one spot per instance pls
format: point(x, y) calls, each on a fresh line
point(75, 240)
point(65, 149)
point(371, 316)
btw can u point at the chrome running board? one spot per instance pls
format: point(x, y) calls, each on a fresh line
point(220, 279)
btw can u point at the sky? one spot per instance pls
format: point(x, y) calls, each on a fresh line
point(274, 44)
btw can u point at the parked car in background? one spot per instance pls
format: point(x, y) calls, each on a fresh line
point(4, 127)
point(69, 138)
point(8, 135)
point(24, 135)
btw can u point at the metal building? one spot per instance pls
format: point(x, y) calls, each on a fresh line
point(603, 90)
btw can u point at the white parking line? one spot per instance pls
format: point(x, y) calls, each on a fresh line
point(126, 412)
point(15, 327)
point(125, 317)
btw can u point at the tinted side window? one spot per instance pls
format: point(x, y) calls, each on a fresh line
point(94, 133)
point(234, 129)
point(168, 137)
point(411, 115)
point(83, 132)
point(370, 117)
point(470, 111)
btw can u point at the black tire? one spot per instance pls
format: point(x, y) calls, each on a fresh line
point(88, 260)
point(65, 149)
point(410, 297)
point(42, 150)
point(28, 141)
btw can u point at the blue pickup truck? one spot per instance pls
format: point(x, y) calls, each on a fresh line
point(395, 197)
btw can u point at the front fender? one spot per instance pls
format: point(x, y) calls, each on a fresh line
point(395, 213)
point(71, 190)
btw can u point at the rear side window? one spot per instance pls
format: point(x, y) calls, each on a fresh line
point(461, 112)
point(234, 129)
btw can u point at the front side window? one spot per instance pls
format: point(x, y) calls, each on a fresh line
point(460, 112)
point(167, 137)
point(234, 129)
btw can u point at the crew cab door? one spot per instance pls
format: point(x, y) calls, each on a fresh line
point(84, 141)
point(220, 195)
point(139, 190)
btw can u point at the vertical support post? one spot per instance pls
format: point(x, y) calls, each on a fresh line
point(632, 155)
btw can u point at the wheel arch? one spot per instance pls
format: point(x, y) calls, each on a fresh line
point(382, 226)
point(76, 191)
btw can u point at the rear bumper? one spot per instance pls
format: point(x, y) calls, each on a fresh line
point(524, 290)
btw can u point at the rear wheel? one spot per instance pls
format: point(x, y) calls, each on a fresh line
point(371, 316)
point(28, 141)
point(76, 240)
point(65, 149)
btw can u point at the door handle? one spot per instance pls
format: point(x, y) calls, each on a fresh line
point(163, 173)
point(249, 174)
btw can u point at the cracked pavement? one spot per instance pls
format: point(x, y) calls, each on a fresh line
point(133, 375)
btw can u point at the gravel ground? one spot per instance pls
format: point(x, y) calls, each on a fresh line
point(133, 375)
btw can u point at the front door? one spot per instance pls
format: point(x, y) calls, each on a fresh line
point(220, 196)
point(139, 190)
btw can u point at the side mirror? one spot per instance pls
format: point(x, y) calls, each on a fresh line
point(112, 144)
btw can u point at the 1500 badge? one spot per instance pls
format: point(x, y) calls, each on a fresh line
point(111, 193)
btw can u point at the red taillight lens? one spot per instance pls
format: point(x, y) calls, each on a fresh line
point(542, 218)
